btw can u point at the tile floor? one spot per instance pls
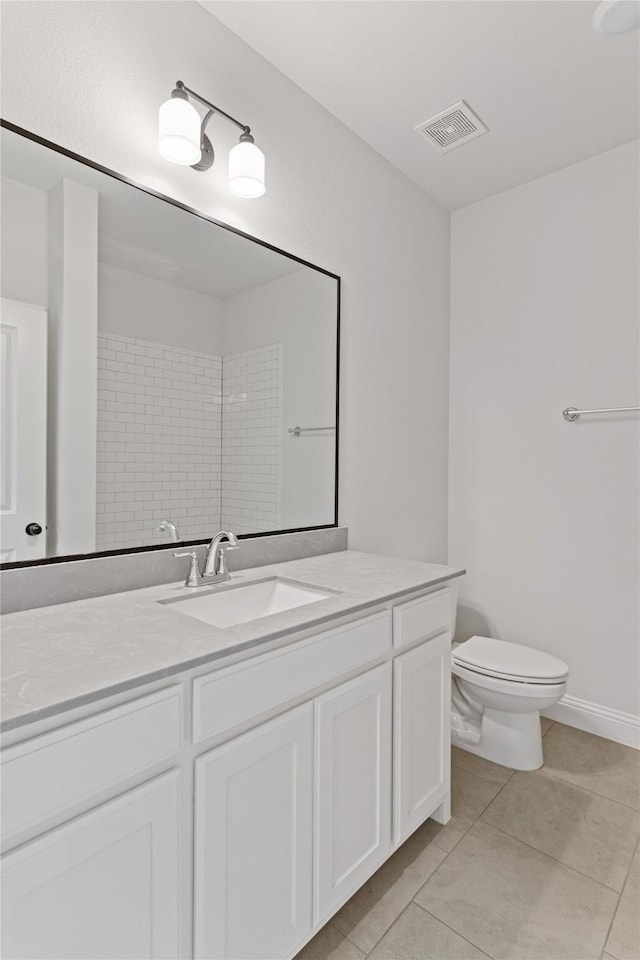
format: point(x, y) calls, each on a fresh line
point(540, 865)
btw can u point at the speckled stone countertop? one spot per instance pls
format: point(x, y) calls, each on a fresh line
point(56, 658)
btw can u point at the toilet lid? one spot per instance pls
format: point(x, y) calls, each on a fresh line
point(498, 658)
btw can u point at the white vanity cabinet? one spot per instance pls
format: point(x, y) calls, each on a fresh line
point(96, 867)
point(253, 833)
point(312, 785)
point(421, 712)
point(421, 750)
point(352, 787)
point(106, 884)
point(131, 834)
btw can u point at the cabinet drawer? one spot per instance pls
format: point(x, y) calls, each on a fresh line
point(227, 698)
point(44, 777)
point(422, 618)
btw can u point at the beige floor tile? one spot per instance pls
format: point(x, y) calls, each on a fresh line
point(329, 944)
point(607, 768)
point(463, 760)
point(514, 902)
point(469, 797)
point(372, 910)
point(624, 939)
point(583, 830)
point(416, 935)
point(545, 725)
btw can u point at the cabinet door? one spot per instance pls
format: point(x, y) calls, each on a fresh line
point(253, 832)
point(104, 885)
point(421, 747)
point(352, 787)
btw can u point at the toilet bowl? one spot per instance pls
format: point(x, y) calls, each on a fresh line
point(498, 690)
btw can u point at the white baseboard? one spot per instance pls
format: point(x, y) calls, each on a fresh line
point(603, 721)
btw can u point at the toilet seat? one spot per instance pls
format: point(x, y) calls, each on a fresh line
point(519, 688)
point(513, 662)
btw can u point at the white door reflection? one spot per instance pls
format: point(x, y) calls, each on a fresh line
point(23, 431)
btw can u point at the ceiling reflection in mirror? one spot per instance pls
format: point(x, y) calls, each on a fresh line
point(156, 366)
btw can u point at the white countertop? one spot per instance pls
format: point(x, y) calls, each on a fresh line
point(60, 657)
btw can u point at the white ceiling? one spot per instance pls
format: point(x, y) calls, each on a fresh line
point(141, 233)
point(551, 91)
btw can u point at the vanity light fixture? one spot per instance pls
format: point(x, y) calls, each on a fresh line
point(182, 139)
point(616, 16)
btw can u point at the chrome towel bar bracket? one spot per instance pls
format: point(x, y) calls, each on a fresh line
point(571, 414)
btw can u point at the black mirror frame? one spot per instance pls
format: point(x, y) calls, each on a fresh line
point(11, 565)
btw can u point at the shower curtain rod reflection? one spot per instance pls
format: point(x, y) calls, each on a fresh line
point(296, 431)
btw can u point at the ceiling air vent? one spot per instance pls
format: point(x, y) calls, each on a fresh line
point(451, 128)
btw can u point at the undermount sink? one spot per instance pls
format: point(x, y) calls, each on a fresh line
point(231, 605)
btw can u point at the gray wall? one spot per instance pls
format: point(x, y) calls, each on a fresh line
point(544, 513)
point(330, 199)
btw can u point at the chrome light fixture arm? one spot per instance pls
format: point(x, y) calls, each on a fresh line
point(210, 106)
point(208, 154)
point(182, 139)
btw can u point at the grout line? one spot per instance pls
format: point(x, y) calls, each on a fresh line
point(395, 920)
point(477, 819)
point(615, 912)
point(553, 859)
point(354, 944)
point(496, 783)
point(579, 786)
point(630, 865)
point(345, 936)
point(453, 930)
point(388, 927)
point(474, 821)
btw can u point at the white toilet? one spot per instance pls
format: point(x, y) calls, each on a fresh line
point(498, 690)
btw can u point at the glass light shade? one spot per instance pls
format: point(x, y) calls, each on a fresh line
point(179, 132)
point(616, 16)
point(246, 170)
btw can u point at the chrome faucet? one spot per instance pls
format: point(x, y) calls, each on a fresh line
point(171, 527)
point(215, 565)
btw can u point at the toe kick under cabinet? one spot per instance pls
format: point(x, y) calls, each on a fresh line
point(130, 833)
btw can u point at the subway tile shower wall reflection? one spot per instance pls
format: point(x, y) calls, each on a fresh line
point(192, 434)
point(251, 450)
point(159, 430)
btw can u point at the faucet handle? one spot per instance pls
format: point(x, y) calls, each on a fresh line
point(193, 578)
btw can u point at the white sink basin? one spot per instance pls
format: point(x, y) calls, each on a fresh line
point(229, 605)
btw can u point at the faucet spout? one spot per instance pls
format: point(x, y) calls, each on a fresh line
point(215, 564)
point(171, 527)
point(215, 567)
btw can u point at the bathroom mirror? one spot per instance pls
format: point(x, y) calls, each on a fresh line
point(156, 365)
